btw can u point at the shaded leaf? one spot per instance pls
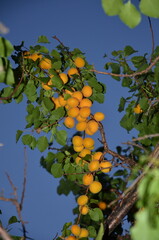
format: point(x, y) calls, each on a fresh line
point(56, 170)
point(42, 143)
point(18, 135)
point(6, 48)
point(61, 137)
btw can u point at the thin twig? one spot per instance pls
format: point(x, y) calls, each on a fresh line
point(146, 136)
point(152, 34)
point(135, 145)
point(129, 75)
point(24, 179)
point(4, 235)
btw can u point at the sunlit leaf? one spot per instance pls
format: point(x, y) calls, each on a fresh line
point(112, 7)
point(130, 15)
point(42, 143)
point(56, 170)
point(6, 48)
point(150, 8)
point(43, 39)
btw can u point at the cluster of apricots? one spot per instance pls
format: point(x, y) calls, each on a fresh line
point(78, 114)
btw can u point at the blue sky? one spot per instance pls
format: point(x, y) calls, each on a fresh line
point(84, 25)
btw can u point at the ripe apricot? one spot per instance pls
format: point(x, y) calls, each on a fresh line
point(45, 63)
point(88, 142)
point(82, 200)
point(33, 56)
point(97, 155)
point(84, 209)
point(95, 187)
point(73, 112)
point(79, 62)
point(102, 205)
point(85, 102)
point(84, 152)
point(62, 101)
point(87, 179)
point(84, 112)
point(88, 132)
point(93, 165)
point(75, 229)
point(63, 77)
point(78, 149)
point(92, 126)
point(77, 141)
point(138, 109)
point(84, 233)
point(56, 102)
point(78, 95)
point(81, 126)
point(87, 91)
point(105, 166)
point(81, 119)
point(99, 116)
point(69, 122)
point(72, 102)
point(72, 71)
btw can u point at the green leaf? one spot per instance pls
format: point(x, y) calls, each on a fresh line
point(150, 8)
point(128, 50)
point(126, 82)
point(130, 15)
point(121, 104)
point(27, 139)
point(57, 82)
point(92, 231)
point(6, 72)
point(61, 137)
point(112, 7)
point(144, 103)
point(92, 82)
point(99, 97)
point(6, 48)
point(55, 54)
point(18, 135)
point(96, 214)
point(12, 220)
point(56, 170)
point(127, 122)
point(48, 103)
point(100, 232)
point(42, 143)
point(43, 39)
point(57, 114)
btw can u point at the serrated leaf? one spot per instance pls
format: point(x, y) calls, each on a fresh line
point(27, 139)
point(56, 170)
point(150, 8)
point(57, 114)
point(130, 15)
point(128, 50)
point(42, 143)
point(48, 103)
point(57, 82)
point(6, 48)
point(61, 137)
point(96, 214)
point(43, 39)
point(112, 7)
point(18, 135)
point(127, 122)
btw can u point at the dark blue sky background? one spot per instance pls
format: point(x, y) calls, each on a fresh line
point(84, 25)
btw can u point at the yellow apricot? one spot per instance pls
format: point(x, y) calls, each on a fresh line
point(72, 71)
point(81, 126)
point(81, 119)
point(87, 179)
point(56, 102)
point(69, 122)
point(95, 187)
point(79, 62)
point(84, 152)
point(75, 229)
point(45, 63)
point(97, 155)
point(87, 91)
point(84, 233)
point(78, 149)
point(77, 141)
point(105, 166)
point(84, 112)
point(72, 102)
point(63, 77)
point(88, 132)
point(84, 209)
point(92, 126)
point(62, 101)
point(73, 112)
point(88, 142)
point(93, 165)
point(138, 109)
point(102, 205)
point(99, 116)
point(78, 95)
point(82, 200)
point(85, 102)
point(69, 92)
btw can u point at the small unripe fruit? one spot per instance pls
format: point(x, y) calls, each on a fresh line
point(82, 200)
point(102, 205)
